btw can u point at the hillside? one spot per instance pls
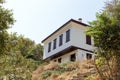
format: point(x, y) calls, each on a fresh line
point(84, 70)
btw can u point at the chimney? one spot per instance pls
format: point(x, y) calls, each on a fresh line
point(80, 19)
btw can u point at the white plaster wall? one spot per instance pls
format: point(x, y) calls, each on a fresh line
point(66, 58)
point(79, 37)
point(58, 48)
point(80, 55)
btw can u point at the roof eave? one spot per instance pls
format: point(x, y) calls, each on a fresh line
point(63, 26)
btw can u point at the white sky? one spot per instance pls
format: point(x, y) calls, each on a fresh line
point(36, 19)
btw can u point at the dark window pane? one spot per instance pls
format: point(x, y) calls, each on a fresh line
point(72, 57)
point(49, 47)
point(88, 39)
point(59, 60)
point(88, 56)
point(55, 60)
point(68, 35)
point(54, 43)
point(60, 39)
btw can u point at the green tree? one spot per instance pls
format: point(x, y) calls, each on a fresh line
point(106, 32)
point(2, 1)
point(37, 52)
point(20, 44)
point(15, 65)
point(13, 50)
point(25, 45)
point(113, 8)
point(6, 20)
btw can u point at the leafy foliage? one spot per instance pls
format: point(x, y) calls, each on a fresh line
point(106, 32)
point(6, 19)
point(14, 50)
point(37, 52)
point(2, 1)
point(15, 64)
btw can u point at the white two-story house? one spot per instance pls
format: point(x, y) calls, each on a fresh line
point(69, 43)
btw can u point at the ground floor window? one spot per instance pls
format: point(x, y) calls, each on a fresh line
point(59, 60)
point(73, 57)
point(55, 60)
point(88, 56)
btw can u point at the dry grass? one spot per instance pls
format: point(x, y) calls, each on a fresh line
point(71, 69)
point(52, 65)
point(36, 75)
point(53, 77)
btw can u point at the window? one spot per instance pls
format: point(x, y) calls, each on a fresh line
point(55, 60)
point(54, 43)
point(72, 57)
point(59, 60)
point(49, 47)
point(68, 35)
point(88, 39)
point(88, 56)
point(60, 39)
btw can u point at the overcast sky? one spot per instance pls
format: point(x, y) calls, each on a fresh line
point(36, 19)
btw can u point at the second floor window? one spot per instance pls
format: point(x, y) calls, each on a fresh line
point(88, 39)
point(49, 47)
point(60, 39)
point(68, 35)
point(54, 43)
